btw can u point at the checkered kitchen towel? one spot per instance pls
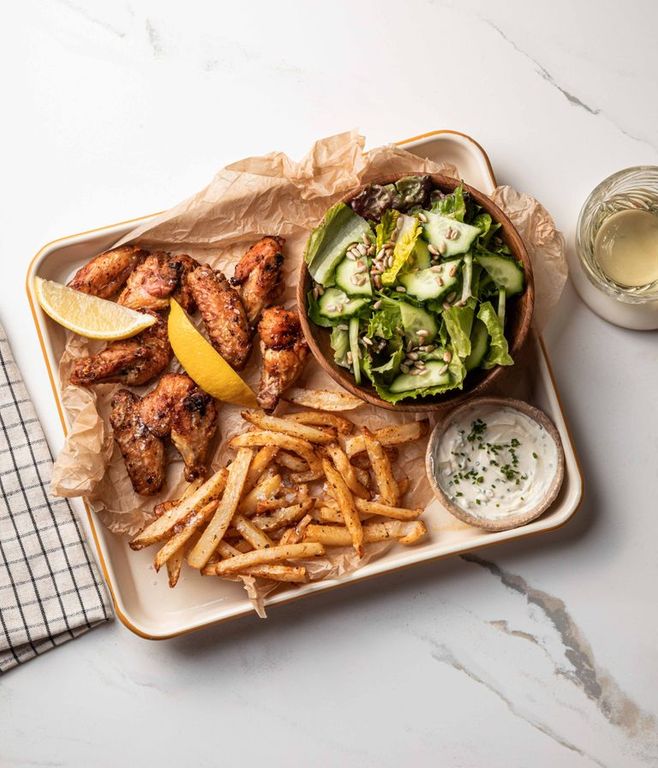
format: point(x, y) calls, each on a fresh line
point(50, 590)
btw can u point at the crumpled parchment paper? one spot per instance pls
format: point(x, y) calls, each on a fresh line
point(271, 195)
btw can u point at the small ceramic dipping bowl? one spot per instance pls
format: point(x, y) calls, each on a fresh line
point(495, 463)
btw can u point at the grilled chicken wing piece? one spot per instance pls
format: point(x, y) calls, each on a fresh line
point(179, 409)
point(106, 273)
point(258, 273)
point(284, 351)
point(130, 361)
point(157, 278)
point(223, 315)
point(143, 452)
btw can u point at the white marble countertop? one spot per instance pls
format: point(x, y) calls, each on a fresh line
point(539, 653)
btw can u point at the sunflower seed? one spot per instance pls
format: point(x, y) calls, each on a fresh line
point(366, 239)
point(362, 249)
point(367, 341)
point(453, 270)
point(320, 289)
point(420, 365)
point(404, 368)
point(349, 255)
point(439, 280)
point(315, 292)
point(442, 248)
point(377, 304)
point(400, 289)
point(437, 268)
point(349, 358)
point(412, 356)
point(381, 253)
point(343, 327)
point(331, 308)
point(443, 369)
point(430, 348)
point(422, 217)
point(447, 305)
point(389, 261)
point(447, 356)
point(433, 250)
point(414, 372)
point(422, 332)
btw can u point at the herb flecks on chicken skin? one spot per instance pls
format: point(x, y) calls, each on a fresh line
point(142, 451)
point(223, 315)
point(177, 408)
point(133, 361)
point(284, 352)
point(258, 275)
point(105, 274)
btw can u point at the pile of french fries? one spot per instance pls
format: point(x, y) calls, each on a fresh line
point(299, 484)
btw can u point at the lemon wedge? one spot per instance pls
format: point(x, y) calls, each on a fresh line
point(203, 363)
point(88, 315)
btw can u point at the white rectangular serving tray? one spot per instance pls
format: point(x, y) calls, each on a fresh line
point(142, 599)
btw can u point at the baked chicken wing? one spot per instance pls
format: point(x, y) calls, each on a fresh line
point(130, 361)
point(155, 279)
point(106, 273)
point(284, 352)
point(177, 408)
point(223, 315)
point(143, 452)
point(258, 274)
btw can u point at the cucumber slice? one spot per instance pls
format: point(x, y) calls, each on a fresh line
point(435, 374)
point(420, 257)
point(354, 349)
point(437, 228)
point(353, 277)
point(335, 303)
point(506, 273)
point(433, 282)
point(479, 345)
point(416, 319)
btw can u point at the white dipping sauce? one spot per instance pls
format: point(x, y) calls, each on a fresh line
point(495, 462)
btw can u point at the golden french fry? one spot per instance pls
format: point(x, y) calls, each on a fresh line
point(267, 486)
point(287, 427)
point(266, 437)
point(296, 534)
point(164, 506)
point(381, 467)
point(274, 554)
point(338, 536)
point(261, 461)
point(282, 517)
point(385, 510)
point(396, 434)
point(342, 464)
point(322, 399)
point(251, 533)
point(191, 524)
point(289, 573)
point(290, 461)
point(175, 562)
point(345, 501)
point(306, 477)
point(158, 530)
point(361, 460)
point(323, 419)
point(291, 496)
point(403, 485)
point(237, 474)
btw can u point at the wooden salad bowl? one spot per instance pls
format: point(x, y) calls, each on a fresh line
point(517, 326)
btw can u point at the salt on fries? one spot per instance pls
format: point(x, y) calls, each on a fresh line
point(267, 510)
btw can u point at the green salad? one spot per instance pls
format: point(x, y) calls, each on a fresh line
point(413, 284)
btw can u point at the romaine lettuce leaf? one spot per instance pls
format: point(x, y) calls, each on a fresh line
point(329, 241)
point(459, 321)
point(498, 353)
point(384, 230)
point(404, 246)
point(452, 205)
point(386, 321)
point(340, 343)
point(457, 372)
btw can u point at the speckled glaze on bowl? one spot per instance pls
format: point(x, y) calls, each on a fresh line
point(511, 521)
point(519, 318)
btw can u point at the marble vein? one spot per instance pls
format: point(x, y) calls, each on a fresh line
point(571, 97)
point(595, 682)
point(444, 655)
point(84, 13)
point(154, 39)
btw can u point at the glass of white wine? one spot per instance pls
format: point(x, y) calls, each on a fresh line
point(617, 239)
